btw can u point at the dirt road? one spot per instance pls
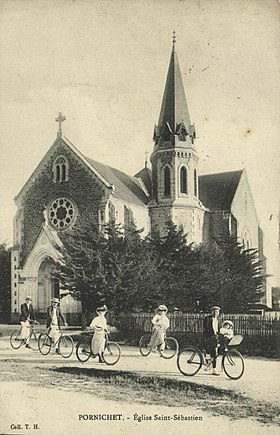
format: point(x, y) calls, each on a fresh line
point(49, 405)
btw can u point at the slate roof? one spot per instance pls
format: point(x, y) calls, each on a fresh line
point(127, 188)
point(146, 176)
point(216, 191)
point(174, 107)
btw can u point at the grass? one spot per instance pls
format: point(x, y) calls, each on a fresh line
point(135, 388)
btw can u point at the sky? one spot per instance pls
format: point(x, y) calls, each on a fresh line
point(103, 64)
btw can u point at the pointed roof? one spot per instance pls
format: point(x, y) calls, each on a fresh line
point(146, 176)
point(174, 107)
point(123, 186)
point(216, 191)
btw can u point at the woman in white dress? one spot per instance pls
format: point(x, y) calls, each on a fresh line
point(160, 324)
point(100, 328)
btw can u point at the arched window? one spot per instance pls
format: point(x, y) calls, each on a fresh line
point(183, 180)
point(195, 182)
point(167, 191)
point(57, 173)
point(60, 169)
point(63, 169)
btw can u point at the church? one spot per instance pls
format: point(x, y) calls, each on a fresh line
point(67, 187)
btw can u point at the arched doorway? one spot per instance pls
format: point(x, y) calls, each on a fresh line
point(48, 285)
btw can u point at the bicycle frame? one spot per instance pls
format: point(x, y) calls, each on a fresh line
point(55, 343)
point(17, 334)
point(192, 358)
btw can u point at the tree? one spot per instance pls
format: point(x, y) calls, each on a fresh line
point(195, 278)
point(81, 272)
point(243, 276)
point(5, 285)
point(112, 267)
point(119, 268)
point(172, 254)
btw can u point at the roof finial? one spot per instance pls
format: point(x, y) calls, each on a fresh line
point(174, 39)
point(146, 160)
point(60, 120)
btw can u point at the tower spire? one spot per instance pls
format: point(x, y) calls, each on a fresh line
point(174, 115)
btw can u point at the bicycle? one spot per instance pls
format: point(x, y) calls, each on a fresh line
point(170, 349)
point(65, 344)
point(192, 358)
point(16, 341)
point(110, 356)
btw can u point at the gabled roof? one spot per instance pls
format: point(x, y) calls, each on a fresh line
point(127, 188)
point(48, 154)
point(216, 191)
point(124, 187)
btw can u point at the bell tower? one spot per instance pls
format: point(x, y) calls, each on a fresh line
point(174, 160)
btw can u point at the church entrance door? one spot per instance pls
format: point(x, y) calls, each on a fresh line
point(48, 286)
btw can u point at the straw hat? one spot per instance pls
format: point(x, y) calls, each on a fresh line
point(103, 308)
point(162, 308)
point(228, 322)
point(216, 307)
point(55, 300)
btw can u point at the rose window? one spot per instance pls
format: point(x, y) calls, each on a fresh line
point(61, 213)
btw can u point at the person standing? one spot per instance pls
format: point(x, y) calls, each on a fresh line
point(160, 324)
point(100, 328)
point(27, 316)
point(55, 320)
point(211, 329)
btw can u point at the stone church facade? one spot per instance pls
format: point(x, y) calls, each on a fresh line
point(68, 187)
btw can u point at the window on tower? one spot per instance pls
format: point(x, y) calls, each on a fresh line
point(167, 176)
point(60, 169)
point(195, 182)
point(183, 180)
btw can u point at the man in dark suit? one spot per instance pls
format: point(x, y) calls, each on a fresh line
point(55, 320)
point(211, 328)
point(27, 315)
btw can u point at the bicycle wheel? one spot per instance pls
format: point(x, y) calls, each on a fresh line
point(189, 361)
point(233, 364)
point(65, 346)
point(15, 339)
point(112, 353)
point(44, 344)
point(144, 345)
point(34, 341)
point(170, 349)
point(83, 351)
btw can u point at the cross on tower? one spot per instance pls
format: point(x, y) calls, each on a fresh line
point(60, 120)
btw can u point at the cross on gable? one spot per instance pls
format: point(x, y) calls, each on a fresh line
point(60, 120)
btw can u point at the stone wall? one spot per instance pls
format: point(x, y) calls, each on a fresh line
point(82, 188)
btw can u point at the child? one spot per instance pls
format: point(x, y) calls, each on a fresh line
point(226, 333)
point(227, 329)
point(160, 324)
point(100, 327)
